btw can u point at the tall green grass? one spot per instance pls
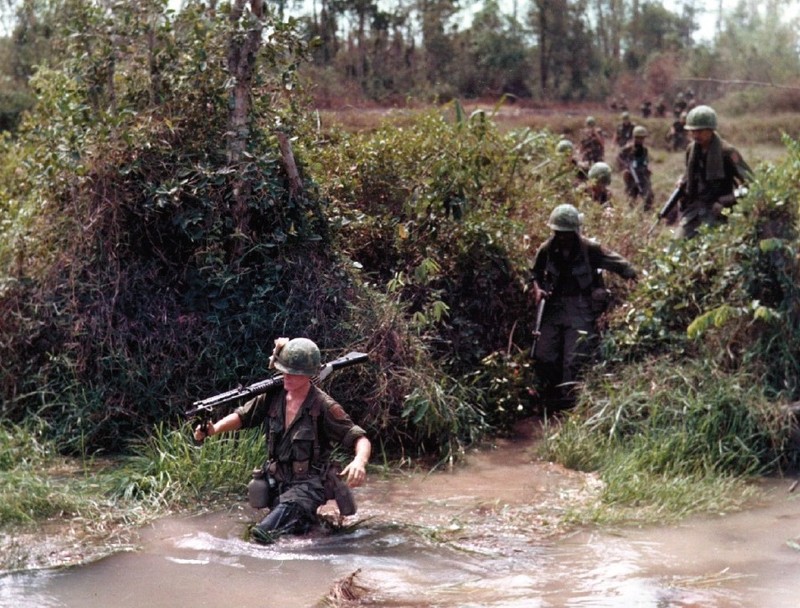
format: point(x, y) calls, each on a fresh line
point(170, 468)
point(670, 437)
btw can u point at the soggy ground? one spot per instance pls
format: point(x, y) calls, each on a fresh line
point(486, 535)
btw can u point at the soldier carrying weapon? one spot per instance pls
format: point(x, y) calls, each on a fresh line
point(566, 271)
point(302, 425)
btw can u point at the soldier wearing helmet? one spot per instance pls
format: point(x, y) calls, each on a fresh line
point(679, 105)
point(714, 169)
point(633, 159)
point(566, 272)
point(565, 150)
point(592, 142)
point(676, 136)
point(598, 184)
point(624, 130)
point(302, 426)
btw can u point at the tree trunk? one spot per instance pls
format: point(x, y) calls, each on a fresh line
point(242, 56)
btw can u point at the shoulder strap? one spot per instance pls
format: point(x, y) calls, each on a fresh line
point(314, 412)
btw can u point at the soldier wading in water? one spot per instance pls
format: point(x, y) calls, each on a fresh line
point(566, 273)
point(302, 424)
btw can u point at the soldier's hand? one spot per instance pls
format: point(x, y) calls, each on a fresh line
point(538, 294)
point(202, 431)
point(354, 473)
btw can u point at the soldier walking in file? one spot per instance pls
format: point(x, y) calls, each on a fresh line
point(714, 169)
point(566, 273)
point(634, 159)
point(624, 130)
point(676, 136)
point(592, 146)
point(598, 185)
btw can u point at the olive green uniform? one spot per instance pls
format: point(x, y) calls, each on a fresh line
point(710, 178)
point(592, 145)
point(636, 157)
point(298, 457)
point(576, 297)
point(624, 133)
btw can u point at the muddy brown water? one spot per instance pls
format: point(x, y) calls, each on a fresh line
point(486, 535)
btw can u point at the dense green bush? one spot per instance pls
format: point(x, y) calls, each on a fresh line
point(445, 212)
point(133, 281)
point(12, 105)
point(731, 294)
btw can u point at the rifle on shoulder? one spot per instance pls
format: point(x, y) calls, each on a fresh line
point(203, 409)
point(673, 200)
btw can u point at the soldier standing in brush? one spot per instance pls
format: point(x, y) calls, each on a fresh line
point(598, 184)
point(676, 136)
point(592, 143)
point(624, 130)
point(566, 274)
point(714, 168)
point(634, 159)
point(566, 152)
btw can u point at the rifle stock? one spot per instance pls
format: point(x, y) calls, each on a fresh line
point(203, 408)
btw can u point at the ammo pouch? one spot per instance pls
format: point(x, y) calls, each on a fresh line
point(336, 489)
point(600, 299)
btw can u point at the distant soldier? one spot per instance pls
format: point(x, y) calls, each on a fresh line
point(566, 151)
point(714, 169)
point(598, 185)
point(566, 277)
point(634, 159)
point(676, 136)
point(592, 145)
point(646, 108)
point(624, 131)
point(661, 108)
point(679, 105)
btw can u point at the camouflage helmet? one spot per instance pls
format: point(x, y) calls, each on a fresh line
point(701, 117)
point(590, 121)
point(639, 131)
point(565, 218)
point(625, 115)
point(601, 172)
point(564, 146)
point(299, 357)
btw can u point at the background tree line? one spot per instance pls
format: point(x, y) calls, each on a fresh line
point(544, 50)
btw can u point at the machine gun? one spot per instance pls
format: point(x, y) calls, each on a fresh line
point(203, 410)
point(673, 200)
